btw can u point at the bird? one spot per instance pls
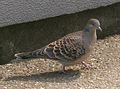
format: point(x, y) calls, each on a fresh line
point(70, 49)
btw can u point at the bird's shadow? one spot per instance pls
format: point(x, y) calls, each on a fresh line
point(56, 76)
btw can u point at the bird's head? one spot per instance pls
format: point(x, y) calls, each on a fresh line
point(94, 24)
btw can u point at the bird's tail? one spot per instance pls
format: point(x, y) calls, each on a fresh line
point(28, 55)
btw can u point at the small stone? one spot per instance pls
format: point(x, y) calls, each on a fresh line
point(93, 59)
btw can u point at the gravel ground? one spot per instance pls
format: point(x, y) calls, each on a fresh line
point(40, 74)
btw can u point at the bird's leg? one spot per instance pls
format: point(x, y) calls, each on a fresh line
point(66, 65)
point(86, 65)
point(63, 68)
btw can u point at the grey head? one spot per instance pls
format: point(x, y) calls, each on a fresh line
point(94, 24)
point(89, 32)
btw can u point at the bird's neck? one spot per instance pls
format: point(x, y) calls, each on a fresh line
point(89, 35)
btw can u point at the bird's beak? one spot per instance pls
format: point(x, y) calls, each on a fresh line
point(99, 28)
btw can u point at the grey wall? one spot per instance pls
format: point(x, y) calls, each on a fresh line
point(18, 11)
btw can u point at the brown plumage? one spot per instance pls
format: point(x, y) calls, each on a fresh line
point(70, 49)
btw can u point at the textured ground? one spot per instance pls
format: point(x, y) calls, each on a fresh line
point(39, 74)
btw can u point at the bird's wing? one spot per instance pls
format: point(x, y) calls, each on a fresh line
point(69, 47)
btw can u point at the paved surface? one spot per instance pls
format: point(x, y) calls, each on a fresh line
point(40, 74)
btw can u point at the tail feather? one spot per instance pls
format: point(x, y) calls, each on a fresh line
point(24, 55)
point(27, 55)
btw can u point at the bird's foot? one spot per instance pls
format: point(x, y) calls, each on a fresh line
point(86, 65)
point(63, 69)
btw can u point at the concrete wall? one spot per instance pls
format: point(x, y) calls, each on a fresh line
point(18, 11)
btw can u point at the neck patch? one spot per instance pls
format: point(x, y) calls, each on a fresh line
point(87, 30)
